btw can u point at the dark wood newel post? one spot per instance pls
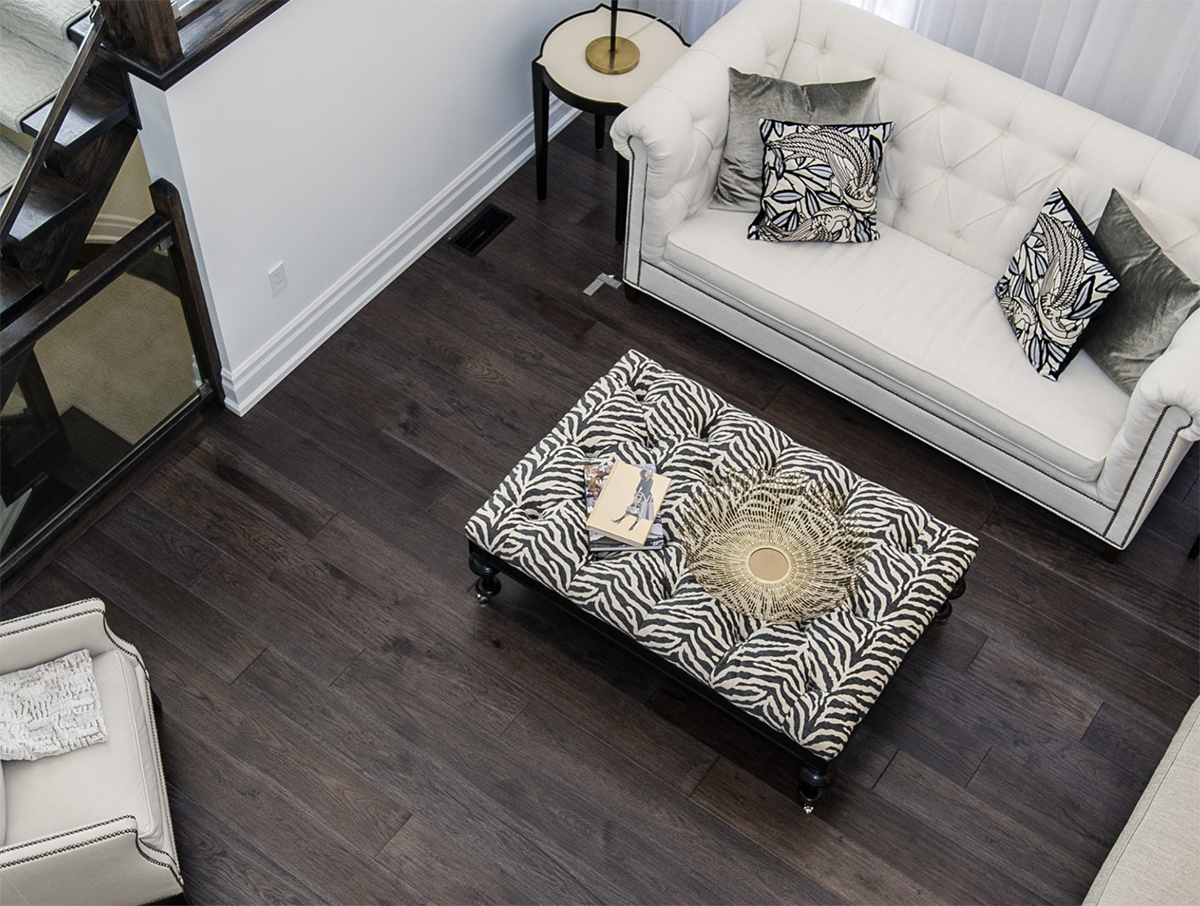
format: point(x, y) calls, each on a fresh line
point(168, 202)
point(146, 28)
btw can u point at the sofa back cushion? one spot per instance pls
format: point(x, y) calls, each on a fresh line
point(975, 151)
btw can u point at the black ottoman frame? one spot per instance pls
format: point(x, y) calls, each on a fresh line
point(816, 773)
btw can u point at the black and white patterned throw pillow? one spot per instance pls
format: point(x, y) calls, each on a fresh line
point(1055, 286)
point(819, 182)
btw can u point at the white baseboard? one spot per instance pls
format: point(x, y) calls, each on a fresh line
point(246, 384)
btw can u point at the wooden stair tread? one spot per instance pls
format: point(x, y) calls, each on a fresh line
point(51, 200)
point(102, 102)
point(16, 289)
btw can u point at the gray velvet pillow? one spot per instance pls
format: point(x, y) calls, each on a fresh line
point(754, 97)
point(1155, 297)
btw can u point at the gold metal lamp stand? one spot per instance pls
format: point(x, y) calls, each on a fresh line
point(611, 54)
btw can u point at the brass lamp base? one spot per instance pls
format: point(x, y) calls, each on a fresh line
point(624, 59)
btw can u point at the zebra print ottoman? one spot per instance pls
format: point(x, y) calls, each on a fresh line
point(809, 683)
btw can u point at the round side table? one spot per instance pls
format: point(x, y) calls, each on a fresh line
point(562, 68)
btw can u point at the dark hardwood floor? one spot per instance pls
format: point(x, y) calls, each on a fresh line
point(342, 724)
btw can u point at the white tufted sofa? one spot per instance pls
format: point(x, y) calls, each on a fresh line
point(908, 327)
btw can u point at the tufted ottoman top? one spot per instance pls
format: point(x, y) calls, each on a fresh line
point(811, 680)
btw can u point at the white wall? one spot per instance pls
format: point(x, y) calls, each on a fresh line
point(342, 137)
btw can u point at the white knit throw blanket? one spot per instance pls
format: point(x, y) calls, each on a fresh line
point(50, 709)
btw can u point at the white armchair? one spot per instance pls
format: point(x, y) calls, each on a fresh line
point(92, 826)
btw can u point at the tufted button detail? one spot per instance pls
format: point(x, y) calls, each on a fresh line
point(958, 234)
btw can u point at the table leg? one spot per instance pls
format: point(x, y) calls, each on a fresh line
point(622, 195)
point(541, 126)
point(601, 122)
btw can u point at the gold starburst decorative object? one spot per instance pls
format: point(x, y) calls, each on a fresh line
point(773, 545)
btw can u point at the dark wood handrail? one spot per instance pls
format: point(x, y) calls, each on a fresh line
point(177, 48)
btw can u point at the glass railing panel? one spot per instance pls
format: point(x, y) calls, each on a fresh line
point(91, 391)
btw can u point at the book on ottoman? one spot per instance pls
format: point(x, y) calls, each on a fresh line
point(628, 503)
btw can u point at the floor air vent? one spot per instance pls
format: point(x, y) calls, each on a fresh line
point(485, 227)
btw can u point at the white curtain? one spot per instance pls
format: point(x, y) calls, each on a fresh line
point(1136, 61)
point(691, 18)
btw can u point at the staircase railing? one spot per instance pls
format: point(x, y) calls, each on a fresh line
point(44, 142)
point(166, 230)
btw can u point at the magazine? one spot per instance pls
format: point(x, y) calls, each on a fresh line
point(623, 503)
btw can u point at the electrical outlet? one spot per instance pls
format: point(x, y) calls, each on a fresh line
point(278, 278)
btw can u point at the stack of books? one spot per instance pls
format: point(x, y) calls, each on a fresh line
point(623, 505)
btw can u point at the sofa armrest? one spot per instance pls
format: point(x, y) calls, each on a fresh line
point(1172, 380)
point(1163, 419)
point(48, 634)
point(674, 134)
point(99, 864)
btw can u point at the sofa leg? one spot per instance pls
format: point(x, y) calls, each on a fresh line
point(632, 293)
point(814, 781)
point(1195, 551)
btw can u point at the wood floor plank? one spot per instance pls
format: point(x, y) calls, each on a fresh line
point(1045, 867)
point(430, 782)
point(1051, 812)
point(917, 723)
point(315, 639)
point(288, 834)
point(154, 535)
point(194, 697)
point(587, 811)
point(457, 867)
point(124, 579)
point(1097, 789)
point(221, 515)
point(514, 654)
point(1045, 609)
point(1035, 688)
point(937, 860)
point(849, 871)
point(1066, 555)
point(1136, 745)
point(221, 866)
point(288, 502)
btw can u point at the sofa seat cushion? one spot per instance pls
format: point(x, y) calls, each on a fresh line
point(916, 321)
point(45, 796)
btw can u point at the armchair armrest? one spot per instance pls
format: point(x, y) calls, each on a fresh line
point(99, 864)
point(47, 634)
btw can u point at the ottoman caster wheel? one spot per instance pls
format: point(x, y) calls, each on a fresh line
point(814, 781)
point(487, 586)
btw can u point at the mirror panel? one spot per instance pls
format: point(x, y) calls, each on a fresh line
point(91, 391)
